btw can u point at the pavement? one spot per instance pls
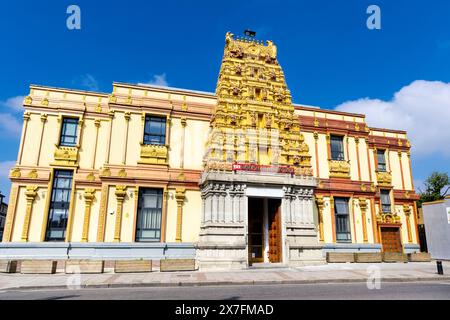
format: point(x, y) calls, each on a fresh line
point(330, 273)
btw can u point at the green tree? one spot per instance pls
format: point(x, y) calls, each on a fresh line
point(437, 186)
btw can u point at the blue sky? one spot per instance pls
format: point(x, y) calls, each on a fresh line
point(330, 58)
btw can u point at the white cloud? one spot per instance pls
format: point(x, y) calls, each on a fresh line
point(14, 103)
point(5, 167)
point(10, 125)
point(89, 82)
point(157, 80)
point(421, 108)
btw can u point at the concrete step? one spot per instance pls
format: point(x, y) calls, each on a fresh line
point(267, 265)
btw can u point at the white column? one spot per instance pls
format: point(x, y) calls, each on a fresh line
point(310, 211)
point(228, 209)
point(215, 203)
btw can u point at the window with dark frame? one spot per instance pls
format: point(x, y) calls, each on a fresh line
point(69, 132)
point(148, 226)
point(381, 159)
point(155, 130)
point(337, 148)
point(385, 196)
point(59, 206)
point(342, 219)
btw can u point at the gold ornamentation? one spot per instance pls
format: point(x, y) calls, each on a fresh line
point(15, 173)
point(407, 195)
point(90, 177)
point(106, 172)
point(98, 108)
point(363, 208)
point(388, 218)
point(66, 156)
point(316, 135)
point(120, 198)
point(33, 174)
point(339, 169)
point(45, 102)
point(252, 98)
point(88, 199)
point(407, 212)
point(112, 99)
point(181, 177)
point(122, 173)
point(153, 154)
point(30, 194)
point(384, 179)
point(102, 214)
point(180, 196)
point(320, 205)
point(26, 116)
point(363, 187)
point(28, 101)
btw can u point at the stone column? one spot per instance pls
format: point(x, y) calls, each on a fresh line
point(125, 147)
point(30, 194)
point(44, 118)
point(102, 213)
point(26, 119)
point(363, 208)
point(407, 212)
point(97, 128)
point(88, 199)
point(108, 145)
point(320, 205)
point(120, 197)
point(180, 196)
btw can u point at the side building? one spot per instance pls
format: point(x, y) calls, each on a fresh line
point(230, 178)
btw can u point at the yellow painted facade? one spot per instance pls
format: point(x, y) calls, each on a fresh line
point(110, 165)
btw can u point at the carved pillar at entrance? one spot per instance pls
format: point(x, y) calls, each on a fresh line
point(30, 194)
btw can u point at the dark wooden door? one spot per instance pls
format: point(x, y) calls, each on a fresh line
point(275, 251)
point(255, 230)
point(390, 239)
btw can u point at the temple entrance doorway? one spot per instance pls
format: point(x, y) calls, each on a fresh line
point(391, 239)
point(264, 230)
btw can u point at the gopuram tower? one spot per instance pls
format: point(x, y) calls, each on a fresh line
point(257, 186)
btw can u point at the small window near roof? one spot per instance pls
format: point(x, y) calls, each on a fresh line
point(155, 130)
point(337, 148)
point(69, 132)
point(381, 158)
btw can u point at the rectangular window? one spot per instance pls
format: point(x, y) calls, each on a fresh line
point(69, 132)
point(155, 130)
point(59, 206)
point(337, 148)
point(385, 201)
point(381, 158)
point(341, 213)
point(148, 226)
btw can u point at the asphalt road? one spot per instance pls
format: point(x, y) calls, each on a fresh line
point(401, 290)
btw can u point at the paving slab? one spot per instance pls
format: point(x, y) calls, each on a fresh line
point(331, 273)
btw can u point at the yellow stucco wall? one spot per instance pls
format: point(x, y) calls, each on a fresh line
point(81, 105)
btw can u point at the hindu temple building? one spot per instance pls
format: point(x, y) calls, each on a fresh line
point(230, 179)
